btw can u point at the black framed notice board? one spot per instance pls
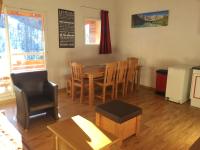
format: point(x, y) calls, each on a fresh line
point(66, 28)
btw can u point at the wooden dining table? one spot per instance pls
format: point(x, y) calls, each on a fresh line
point(91, 73)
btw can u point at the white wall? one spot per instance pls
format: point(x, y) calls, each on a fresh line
point(56, 57)
point(178, 43)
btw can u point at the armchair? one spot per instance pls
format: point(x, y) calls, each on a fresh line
point(34, 94)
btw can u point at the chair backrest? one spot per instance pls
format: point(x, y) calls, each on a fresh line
point(132, 66)
point(32, 83)
point(134, 59)
point(77, 71)
point(110, 73)
point(122, 68)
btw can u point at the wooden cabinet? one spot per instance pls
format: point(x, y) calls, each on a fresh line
point(195, 89)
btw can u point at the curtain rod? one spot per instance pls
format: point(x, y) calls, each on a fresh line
point(22, 9)
point(90, 7)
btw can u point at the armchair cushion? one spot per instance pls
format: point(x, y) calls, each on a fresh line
point(39, 102)
point(119, 111)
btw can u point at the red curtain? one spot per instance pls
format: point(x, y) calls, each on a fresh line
point(105, 42)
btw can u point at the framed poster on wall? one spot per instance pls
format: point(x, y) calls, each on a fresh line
point(66, 28)
point(150, 19)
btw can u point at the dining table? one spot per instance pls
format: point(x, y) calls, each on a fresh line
point(92, 72)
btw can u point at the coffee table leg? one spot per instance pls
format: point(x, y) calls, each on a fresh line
point(97, 121)
point(57, 147)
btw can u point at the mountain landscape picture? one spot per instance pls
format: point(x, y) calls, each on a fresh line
point(150, 19)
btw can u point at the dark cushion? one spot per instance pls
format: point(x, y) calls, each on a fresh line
point(118, 111)
point(39, 102)
point(32, 83)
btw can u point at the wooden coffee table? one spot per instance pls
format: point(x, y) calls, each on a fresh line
point(78, 133)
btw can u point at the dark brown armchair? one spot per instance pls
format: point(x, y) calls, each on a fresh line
point(34, 94)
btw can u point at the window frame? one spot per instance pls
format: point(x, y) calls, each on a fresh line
point(45, 45)
point(96, 19)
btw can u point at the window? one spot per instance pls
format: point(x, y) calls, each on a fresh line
point(22, 45)
point(92, 31)
point(26, 41)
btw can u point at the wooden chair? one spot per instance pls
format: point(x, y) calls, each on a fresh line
point(77, 79)
point(135, 61)
point(68, 79)
point(122, 68)
point(130, 80)
point(108, 81)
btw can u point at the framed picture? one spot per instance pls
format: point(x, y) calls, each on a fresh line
point(150, 19)
point(66, 28)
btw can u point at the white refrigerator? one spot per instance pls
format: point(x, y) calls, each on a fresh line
point(178, 83)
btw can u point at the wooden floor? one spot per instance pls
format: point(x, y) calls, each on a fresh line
point(165, 125)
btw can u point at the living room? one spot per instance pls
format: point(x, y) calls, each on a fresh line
point(164, 124)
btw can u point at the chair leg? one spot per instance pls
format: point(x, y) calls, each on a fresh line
point(138, 79)
point(116, 90)
point(22, 118)
point(73, 92)
point(104, 94)
point(27, 123)
point(56, 113)
point(123, 89)
point(113, 91)
point(81, 96)
point(132, 85)
point(69, 87)
point(53, 112)
point(126, 88)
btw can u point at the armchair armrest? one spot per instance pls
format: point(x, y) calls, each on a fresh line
point(51, 91)
point(22, 103)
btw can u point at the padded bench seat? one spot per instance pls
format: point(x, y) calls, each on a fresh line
point(119, 118)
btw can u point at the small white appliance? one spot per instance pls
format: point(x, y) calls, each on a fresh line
point(178, 83)
point(195, 87)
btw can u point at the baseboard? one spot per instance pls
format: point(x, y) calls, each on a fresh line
point(147, 87)
point(62, 90)
point(140, 86)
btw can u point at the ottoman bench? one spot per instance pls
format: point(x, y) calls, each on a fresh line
point(119, 118)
